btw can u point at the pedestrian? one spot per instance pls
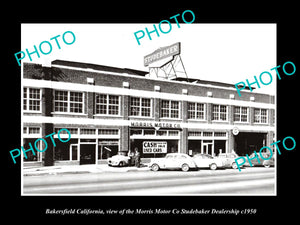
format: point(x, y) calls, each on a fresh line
point(131, 158)
point(137, 158)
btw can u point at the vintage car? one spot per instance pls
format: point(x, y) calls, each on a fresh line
point(229, 159)
point(263, 162)
point(173, 161)
point(118, 160)
point(207, 161)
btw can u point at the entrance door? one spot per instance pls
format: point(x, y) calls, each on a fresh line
point(207, 148)
point(87, 154)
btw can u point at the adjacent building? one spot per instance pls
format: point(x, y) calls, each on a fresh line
point(111, 110)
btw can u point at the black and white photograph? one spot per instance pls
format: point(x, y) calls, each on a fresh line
point(131, 112)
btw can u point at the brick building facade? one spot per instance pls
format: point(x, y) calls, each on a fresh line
point(110, 110)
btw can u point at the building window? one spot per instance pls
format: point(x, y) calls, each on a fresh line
point(149, 132)
point(71, 130)
point(240, 114)
point(219, 113)
point(195, 133)
point(136, 132)
point(87, 131)
point(173, 133)
point(76, 102)
point(140, 107)
point(31, 130)
point(220, 134)
point(196, 111)
point(169, 109)
point(207, 134)
point(161, 133)
point(68, 101)
point(107, 104)
point(34, 130)
point(108, 132)
point(260, 115)
point(32, 99)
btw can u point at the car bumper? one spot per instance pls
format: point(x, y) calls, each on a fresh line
point(113, 163)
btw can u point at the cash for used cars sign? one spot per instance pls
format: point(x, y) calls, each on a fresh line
point(154, 147)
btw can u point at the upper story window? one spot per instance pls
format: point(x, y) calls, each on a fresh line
point(240, 114)
point(169, 109)
point(260, 115)
point(68, 101)
point(32, 99)
point(219, 113)
point(140, 107)
point(107, 104)
point(196, 111)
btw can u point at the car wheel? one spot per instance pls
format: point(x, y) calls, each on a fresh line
point(185, 167)
point(267, 165)
point(234, 166)
point(155, 167)
point(121, 163)
point(213, 166)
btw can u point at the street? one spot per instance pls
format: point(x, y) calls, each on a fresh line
point(250, 181)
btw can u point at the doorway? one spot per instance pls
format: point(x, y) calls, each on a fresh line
point(207, 148)
point(247, 142)
point(87, 154)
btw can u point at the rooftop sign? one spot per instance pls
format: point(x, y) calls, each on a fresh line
point(162, 53)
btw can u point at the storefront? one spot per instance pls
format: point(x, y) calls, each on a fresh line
point(30, 135)
point(207, 142)
point(154, 140)
point(87, 146)
point(248, 142)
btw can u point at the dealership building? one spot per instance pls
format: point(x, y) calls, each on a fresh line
point(111, 110)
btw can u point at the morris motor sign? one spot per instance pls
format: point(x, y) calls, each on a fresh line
point(162, 53)
point(154, 147)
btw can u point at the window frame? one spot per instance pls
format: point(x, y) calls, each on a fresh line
point(240, 114)
point(107, 105)
point(140, 107)
point(195, 104)
point(170, 109)
point(69, 102)
point(260, 116)
point(219, 113)
point(27, 99)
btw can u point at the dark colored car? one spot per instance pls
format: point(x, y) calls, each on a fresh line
point(262, 161)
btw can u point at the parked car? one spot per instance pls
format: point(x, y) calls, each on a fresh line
point(229, 159)
point(207, 161)
point(118, 160)
point(266, 163)
point(173, 161)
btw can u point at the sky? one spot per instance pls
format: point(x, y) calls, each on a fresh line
point(228, 53)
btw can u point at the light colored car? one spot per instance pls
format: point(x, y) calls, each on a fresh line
point(229, 159)
point(207, 161)
point(173, 161)
point(118, 160)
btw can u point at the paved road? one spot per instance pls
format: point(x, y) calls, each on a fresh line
point(250, 181)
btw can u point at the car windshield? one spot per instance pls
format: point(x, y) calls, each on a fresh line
point(207, 157)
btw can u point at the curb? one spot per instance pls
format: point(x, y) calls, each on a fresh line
point(77, 170)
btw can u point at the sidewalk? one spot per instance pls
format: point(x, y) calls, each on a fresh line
point(73, 169)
